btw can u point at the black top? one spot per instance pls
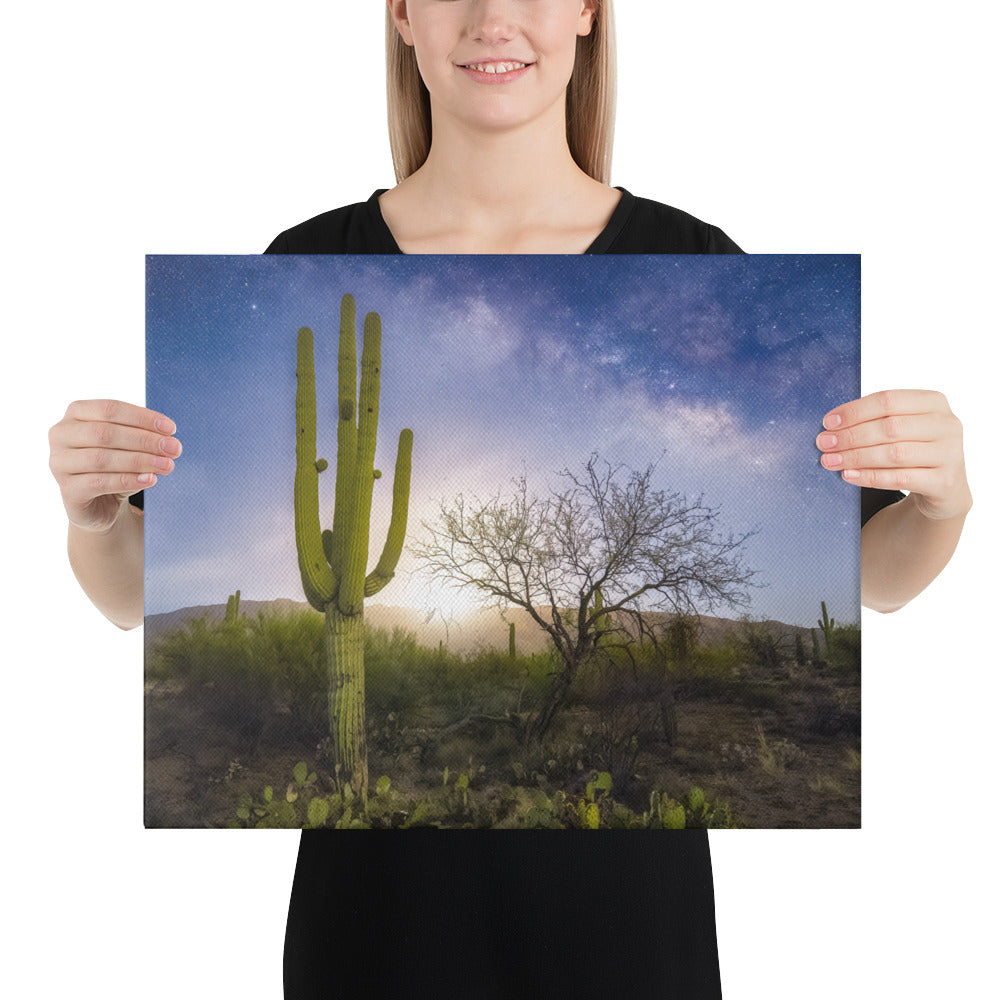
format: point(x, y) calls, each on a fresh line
point(637, 225)
point(506, 914)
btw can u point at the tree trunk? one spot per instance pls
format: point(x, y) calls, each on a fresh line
point(553, 702)
point(345, 658)
point(668, 713)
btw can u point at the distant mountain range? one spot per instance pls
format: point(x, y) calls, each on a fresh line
point(484, 629)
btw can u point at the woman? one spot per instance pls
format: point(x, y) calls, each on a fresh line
point(517, 95)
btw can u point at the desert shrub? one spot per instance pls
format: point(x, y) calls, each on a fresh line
point(762, 645)
point(400, 674)
point(215, 658)
point(825, 784)
point(719, 661)
point(494, 683)
point(681, 641)
point(201, 651)
point(832, 718)
point(403, 678)
point(613, 743)
point(242, 669)
point(286, 647)
point(845, 647)
point(776, 754)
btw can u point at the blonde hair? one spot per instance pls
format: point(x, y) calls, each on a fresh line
point(590, 100)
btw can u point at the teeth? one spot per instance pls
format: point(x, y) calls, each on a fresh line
point(496, 67)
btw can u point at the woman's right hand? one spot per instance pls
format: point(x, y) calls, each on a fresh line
point(103, 451)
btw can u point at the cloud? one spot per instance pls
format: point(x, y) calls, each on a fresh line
point(475, 334)
point(700, 435)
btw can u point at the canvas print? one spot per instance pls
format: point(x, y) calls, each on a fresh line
point(510, 542)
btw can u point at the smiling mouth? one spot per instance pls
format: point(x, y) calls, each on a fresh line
point(495, 68)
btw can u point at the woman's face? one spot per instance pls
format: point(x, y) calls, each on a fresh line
point(494, 64)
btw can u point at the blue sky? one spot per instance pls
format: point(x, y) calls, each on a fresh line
point(717, 368)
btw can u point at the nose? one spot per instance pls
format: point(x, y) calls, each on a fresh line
point(491, 21)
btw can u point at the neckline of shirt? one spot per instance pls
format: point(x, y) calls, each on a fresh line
point(602, 241)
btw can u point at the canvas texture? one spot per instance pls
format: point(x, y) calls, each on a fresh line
point(508, 542)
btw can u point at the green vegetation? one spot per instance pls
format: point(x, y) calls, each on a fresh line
point(458, 802)
point(279, 657)
point(656, 716)
point(333, 562)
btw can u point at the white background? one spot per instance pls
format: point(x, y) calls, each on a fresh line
point(208, 128)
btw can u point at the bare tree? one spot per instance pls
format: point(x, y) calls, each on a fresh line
point(597, 556)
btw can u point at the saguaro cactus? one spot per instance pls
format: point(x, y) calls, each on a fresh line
point(332, 562)
point(232, 616)
point(826, 624)
point(601, 623)
point(511, 642)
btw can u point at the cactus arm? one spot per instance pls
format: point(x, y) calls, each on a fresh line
point(347, 439)
point(317, 578)
point(350, 598)
point(386, 566)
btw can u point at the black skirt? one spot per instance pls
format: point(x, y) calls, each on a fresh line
point(484, 915)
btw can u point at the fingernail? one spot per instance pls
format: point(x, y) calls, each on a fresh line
point(162, 464)
point(851, 474)
point(146, 478)
point(165, 426)
point(828, 440)
point(170, 446)
point(833, 420)
point(832, 461)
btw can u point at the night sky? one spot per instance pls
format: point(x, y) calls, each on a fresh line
point(717, 368)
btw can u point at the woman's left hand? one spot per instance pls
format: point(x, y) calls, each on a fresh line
point(900, 439)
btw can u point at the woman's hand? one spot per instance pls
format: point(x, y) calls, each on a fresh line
point(103, 451)
point(901, 439)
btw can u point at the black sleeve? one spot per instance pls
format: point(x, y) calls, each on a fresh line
point(136, 499)
point(872, 501)
point(718, 242)
point(278, 245)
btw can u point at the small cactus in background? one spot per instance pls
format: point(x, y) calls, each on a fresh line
point(827, 625)
point(332, 562)
point(601, 626)
point(511, 643)
point(232, 615)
